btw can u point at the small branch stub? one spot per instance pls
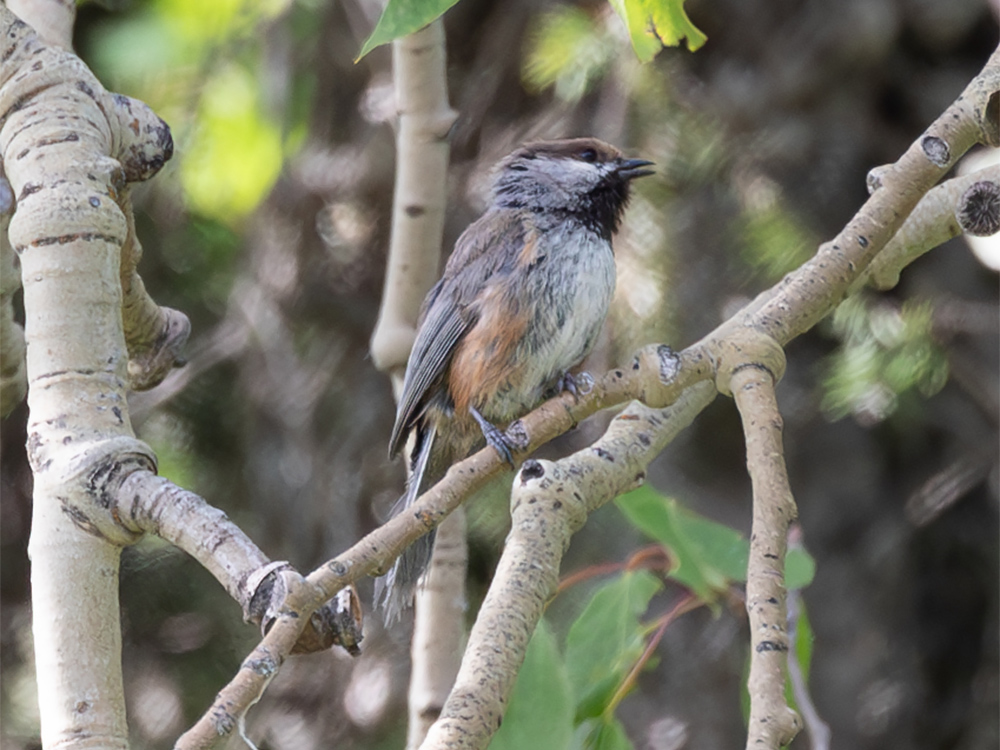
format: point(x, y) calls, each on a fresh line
point(875, 177)
point(936, 150)
point(978, 211)
point(933, 221)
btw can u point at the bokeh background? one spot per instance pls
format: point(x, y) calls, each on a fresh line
point(269, 229)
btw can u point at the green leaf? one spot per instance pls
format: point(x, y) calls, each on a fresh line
point(402, 17)
point(540, 714)
point(709, 556)
point(653, 24)
point(603, 734)
point(801, 652)
point(597, 695)
point(606, 639)
point(673, 25)
point(803, 640)
point(800, 568)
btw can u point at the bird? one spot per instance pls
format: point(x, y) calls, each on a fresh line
point(521, 302)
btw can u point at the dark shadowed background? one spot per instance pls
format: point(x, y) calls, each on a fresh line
point(269, 229)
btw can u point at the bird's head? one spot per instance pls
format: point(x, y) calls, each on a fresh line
point(581, 176)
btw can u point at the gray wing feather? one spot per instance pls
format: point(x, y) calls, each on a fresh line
point(449, 310)
point(439, 332)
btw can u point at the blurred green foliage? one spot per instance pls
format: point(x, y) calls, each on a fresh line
point(201, 24)
point(174, 458)
point(651, 24)
point(569, 50)
point(886, 352)
point(200, 254)
point(774, 239)
point(236, 153)
point(200, 64)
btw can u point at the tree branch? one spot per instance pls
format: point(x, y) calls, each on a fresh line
point(419, 202)
point(772, 723)
point(549, 503)
point(933, 222)
point(658, 376)
point(68, 154)
point(438, 628)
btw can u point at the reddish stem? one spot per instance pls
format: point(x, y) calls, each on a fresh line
point(686, 604)
point(651, 557)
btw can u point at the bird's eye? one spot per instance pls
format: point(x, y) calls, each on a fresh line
point(589, 155)
point(518, 168)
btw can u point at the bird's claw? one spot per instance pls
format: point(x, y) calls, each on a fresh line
point(579, 385)
point(495, 437)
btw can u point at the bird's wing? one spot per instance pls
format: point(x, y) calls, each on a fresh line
point(449, 311)
point(442, 327)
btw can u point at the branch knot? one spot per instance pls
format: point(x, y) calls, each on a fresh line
point(978, 210)
point(745, 347)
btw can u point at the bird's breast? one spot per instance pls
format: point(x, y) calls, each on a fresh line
point(559, 301)
point(577, 288)
point(535, 321)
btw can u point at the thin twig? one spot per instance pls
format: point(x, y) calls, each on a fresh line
point(650, 557)
point(817, 729)
point(686, 604)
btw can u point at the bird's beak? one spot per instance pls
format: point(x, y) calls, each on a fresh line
point(632, 168)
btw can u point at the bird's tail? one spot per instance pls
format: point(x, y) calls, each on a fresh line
point(394, 591)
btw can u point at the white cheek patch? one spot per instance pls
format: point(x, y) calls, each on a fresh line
point(561, 180)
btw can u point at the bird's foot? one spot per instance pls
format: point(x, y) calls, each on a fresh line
point(579, 385)
point(495, 437)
